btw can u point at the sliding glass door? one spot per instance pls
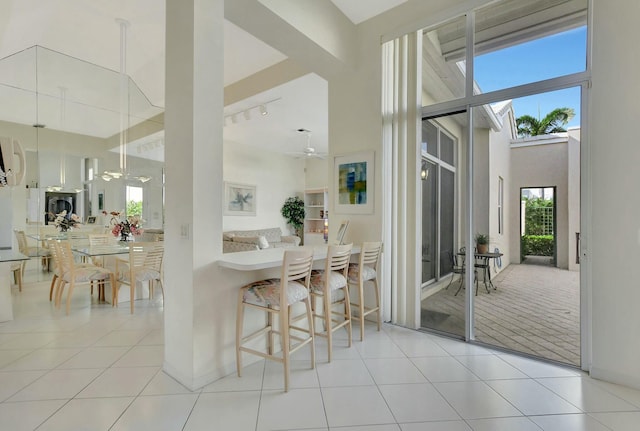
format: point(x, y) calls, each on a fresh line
point(509, 124)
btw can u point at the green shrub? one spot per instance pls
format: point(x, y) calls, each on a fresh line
point(538, 216)
point(134, 208)
point(537, 245)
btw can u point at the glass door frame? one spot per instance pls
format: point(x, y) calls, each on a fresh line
point(440, 165)
point(470, 101)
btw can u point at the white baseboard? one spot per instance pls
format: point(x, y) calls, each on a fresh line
point(614, 377)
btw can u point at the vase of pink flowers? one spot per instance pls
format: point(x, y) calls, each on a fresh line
point(126, 228)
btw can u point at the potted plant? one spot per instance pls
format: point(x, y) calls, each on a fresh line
point(482, 243)
point(293, 211)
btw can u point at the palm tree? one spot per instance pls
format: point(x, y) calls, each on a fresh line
point(553, 122)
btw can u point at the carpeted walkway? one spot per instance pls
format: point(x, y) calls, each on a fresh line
point(535, 310)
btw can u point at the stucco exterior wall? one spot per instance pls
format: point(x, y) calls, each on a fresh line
point(500, 167)
point(481, 188)
point(542, 165)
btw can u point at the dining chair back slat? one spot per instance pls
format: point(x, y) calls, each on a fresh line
point(144, 264)
point(338, 257)
point(331, 286)
point(296, 265)
point(370, 253)
point(99, 239)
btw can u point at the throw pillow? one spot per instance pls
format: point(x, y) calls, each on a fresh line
point(228, 236)
point(262, 242)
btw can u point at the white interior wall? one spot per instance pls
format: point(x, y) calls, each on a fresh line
point(276, 177)
point(316, 173)
point(613, 237)
point(542, 166)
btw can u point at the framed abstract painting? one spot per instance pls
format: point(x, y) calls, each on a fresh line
point(353, 183)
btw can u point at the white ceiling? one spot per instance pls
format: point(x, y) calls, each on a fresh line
point(87, 30)
point(361, 10)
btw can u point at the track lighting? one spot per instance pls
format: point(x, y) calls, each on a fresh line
point(246, 112)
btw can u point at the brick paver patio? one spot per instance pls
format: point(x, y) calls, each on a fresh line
point(535, 310)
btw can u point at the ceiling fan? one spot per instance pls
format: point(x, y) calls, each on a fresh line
point(308, 151)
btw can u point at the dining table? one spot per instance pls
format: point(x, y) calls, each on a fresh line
point(102, 249)
point(62, 236)
point(482, 262)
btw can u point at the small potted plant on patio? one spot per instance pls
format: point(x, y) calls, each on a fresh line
point(482, 243)
point(293, 211)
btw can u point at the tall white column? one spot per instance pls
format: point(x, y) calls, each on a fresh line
point(193, 213)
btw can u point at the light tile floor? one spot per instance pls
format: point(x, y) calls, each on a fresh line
point(100, 369)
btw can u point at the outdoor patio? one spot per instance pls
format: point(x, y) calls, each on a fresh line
point(535, 310)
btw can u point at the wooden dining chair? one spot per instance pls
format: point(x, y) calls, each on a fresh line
point(41, 253)
point(16, 269)
point(364, 273)
point(277, 296)
point(144, 264)
point(331, 286)
point(100, 239)
point(97, 239)
point(57, 269)
point(73, 274)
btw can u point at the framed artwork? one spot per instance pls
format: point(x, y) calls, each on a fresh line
point(353, 183)
point(239, 199)
point(101, 200)
point(91, 220)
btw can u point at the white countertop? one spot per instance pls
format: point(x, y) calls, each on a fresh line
point(268, 258)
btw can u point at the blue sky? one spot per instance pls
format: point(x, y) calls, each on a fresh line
point(544, 58)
